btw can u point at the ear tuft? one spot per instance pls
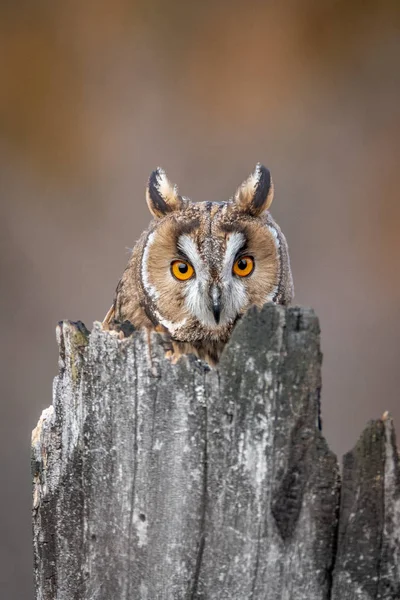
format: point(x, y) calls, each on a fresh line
point(255, 195)
point(162, 197)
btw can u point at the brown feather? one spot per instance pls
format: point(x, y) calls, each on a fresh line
point(150, 297)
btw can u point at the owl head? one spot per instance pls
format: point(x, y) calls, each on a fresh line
point(203, 264)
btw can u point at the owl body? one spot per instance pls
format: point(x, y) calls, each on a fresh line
point(200, 266)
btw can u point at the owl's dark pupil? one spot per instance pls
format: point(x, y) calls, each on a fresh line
point(242, 264)
point(183, 268)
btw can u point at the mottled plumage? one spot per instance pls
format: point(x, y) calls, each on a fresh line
point(200, 266)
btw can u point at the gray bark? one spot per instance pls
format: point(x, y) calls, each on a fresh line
point(368, 554)
point(161, 481)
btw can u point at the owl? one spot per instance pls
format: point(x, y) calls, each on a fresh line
point(201, 265)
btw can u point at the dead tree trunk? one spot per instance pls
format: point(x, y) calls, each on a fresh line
point(155, 481)
point(368, 553)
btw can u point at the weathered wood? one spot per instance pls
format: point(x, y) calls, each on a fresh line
point(368, 554)
point(155, 481)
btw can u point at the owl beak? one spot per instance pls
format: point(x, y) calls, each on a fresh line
point(216, 302)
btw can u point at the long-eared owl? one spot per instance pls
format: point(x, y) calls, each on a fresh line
point(201, 265)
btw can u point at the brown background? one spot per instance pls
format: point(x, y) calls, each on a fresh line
point(94, 95)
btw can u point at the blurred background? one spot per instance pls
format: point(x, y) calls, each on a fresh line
point(94, 95)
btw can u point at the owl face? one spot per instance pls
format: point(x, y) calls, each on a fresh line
point(203, 264)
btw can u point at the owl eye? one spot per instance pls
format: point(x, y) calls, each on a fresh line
point(244, 266)
point(182, 270)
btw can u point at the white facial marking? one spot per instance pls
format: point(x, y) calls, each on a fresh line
point(198, 303)
point(234, 298)
point(234, 289)
point(197, 290)
point(235, 242)
point(270, 297)
point(215, 294)
point(188, 247)
point(275, 235)
point(172, 327)
point(151, 290)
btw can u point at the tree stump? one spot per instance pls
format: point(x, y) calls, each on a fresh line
point(161, 481)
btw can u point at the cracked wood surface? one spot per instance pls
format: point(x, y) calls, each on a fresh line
point(368, 554)
point(155, 481)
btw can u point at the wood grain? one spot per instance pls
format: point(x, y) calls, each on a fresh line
point(161, 481)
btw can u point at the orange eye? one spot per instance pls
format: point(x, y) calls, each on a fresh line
point(244, 266)
point(182, 270)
